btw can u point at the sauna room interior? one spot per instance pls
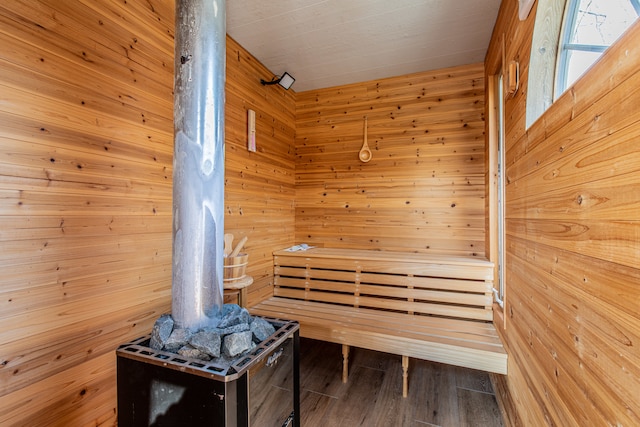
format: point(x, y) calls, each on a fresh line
point(86, 165)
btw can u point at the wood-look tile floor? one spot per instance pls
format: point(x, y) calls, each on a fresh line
point(439, 395)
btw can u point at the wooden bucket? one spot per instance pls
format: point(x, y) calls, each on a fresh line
point(235, 268)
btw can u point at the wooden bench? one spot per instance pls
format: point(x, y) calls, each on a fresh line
point(436, 308)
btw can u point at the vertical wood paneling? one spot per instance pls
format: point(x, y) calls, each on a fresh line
point(423, 190)
point(86, 146)
point(572, 203)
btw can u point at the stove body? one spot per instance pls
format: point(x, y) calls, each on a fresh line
point(260, 389)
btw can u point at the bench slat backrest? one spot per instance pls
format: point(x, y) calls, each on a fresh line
point(410, 283)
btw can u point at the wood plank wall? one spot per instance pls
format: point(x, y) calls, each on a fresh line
point(260, 186)
point(85, 176)
point(573, 242)
point(86, 145)
point(423, 190)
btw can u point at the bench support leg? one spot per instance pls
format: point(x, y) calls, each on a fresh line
point(345, 362)
point(405, 376)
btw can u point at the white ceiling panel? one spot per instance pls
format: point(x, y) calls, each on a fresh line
point(325, 43)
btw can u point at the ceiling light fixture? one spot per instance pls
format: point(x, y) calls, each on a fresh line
point(285, 81)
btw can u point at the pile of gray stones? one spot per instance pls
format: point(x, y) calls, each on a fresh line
point(233, 333)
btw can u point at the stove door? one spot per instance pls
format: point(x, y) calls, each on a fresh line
point(156, 396)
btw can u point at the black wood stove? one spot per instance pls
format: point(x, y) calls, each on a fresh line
point(259, 389)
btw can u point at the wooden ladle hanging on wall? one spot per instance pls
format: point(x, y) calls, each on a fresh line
point(365, 152)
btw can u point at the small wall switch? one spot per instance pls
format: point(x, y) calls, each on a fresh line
point(251, 130)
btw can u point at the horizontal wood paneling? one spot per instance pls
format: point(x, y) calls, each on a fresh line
point(423, 190)
point(260, 186)
point(86, 143)
point(85, 183)
point(86, 149)
point(572, 199)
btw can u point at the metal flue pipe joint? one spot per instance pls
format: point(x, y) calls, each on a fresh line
point(198, 162)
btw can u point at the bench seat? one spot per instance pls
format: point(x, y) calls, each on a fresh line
point(425, 307)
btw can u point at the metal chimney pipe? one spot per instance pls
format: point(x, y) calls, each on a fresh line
point(198, 162)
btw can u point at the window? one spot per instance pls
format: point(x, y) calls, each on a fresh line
point(589, 27)
point(569, 36)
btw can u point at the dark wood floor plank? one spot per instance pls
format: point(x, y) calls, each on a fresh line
point(432, 387)
point(314, 408)
point(321, 368)
point(473, 380)
point(478, 409)
point(363, 391)
point(373, 359)
point(392, 409)
point(439, 395)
